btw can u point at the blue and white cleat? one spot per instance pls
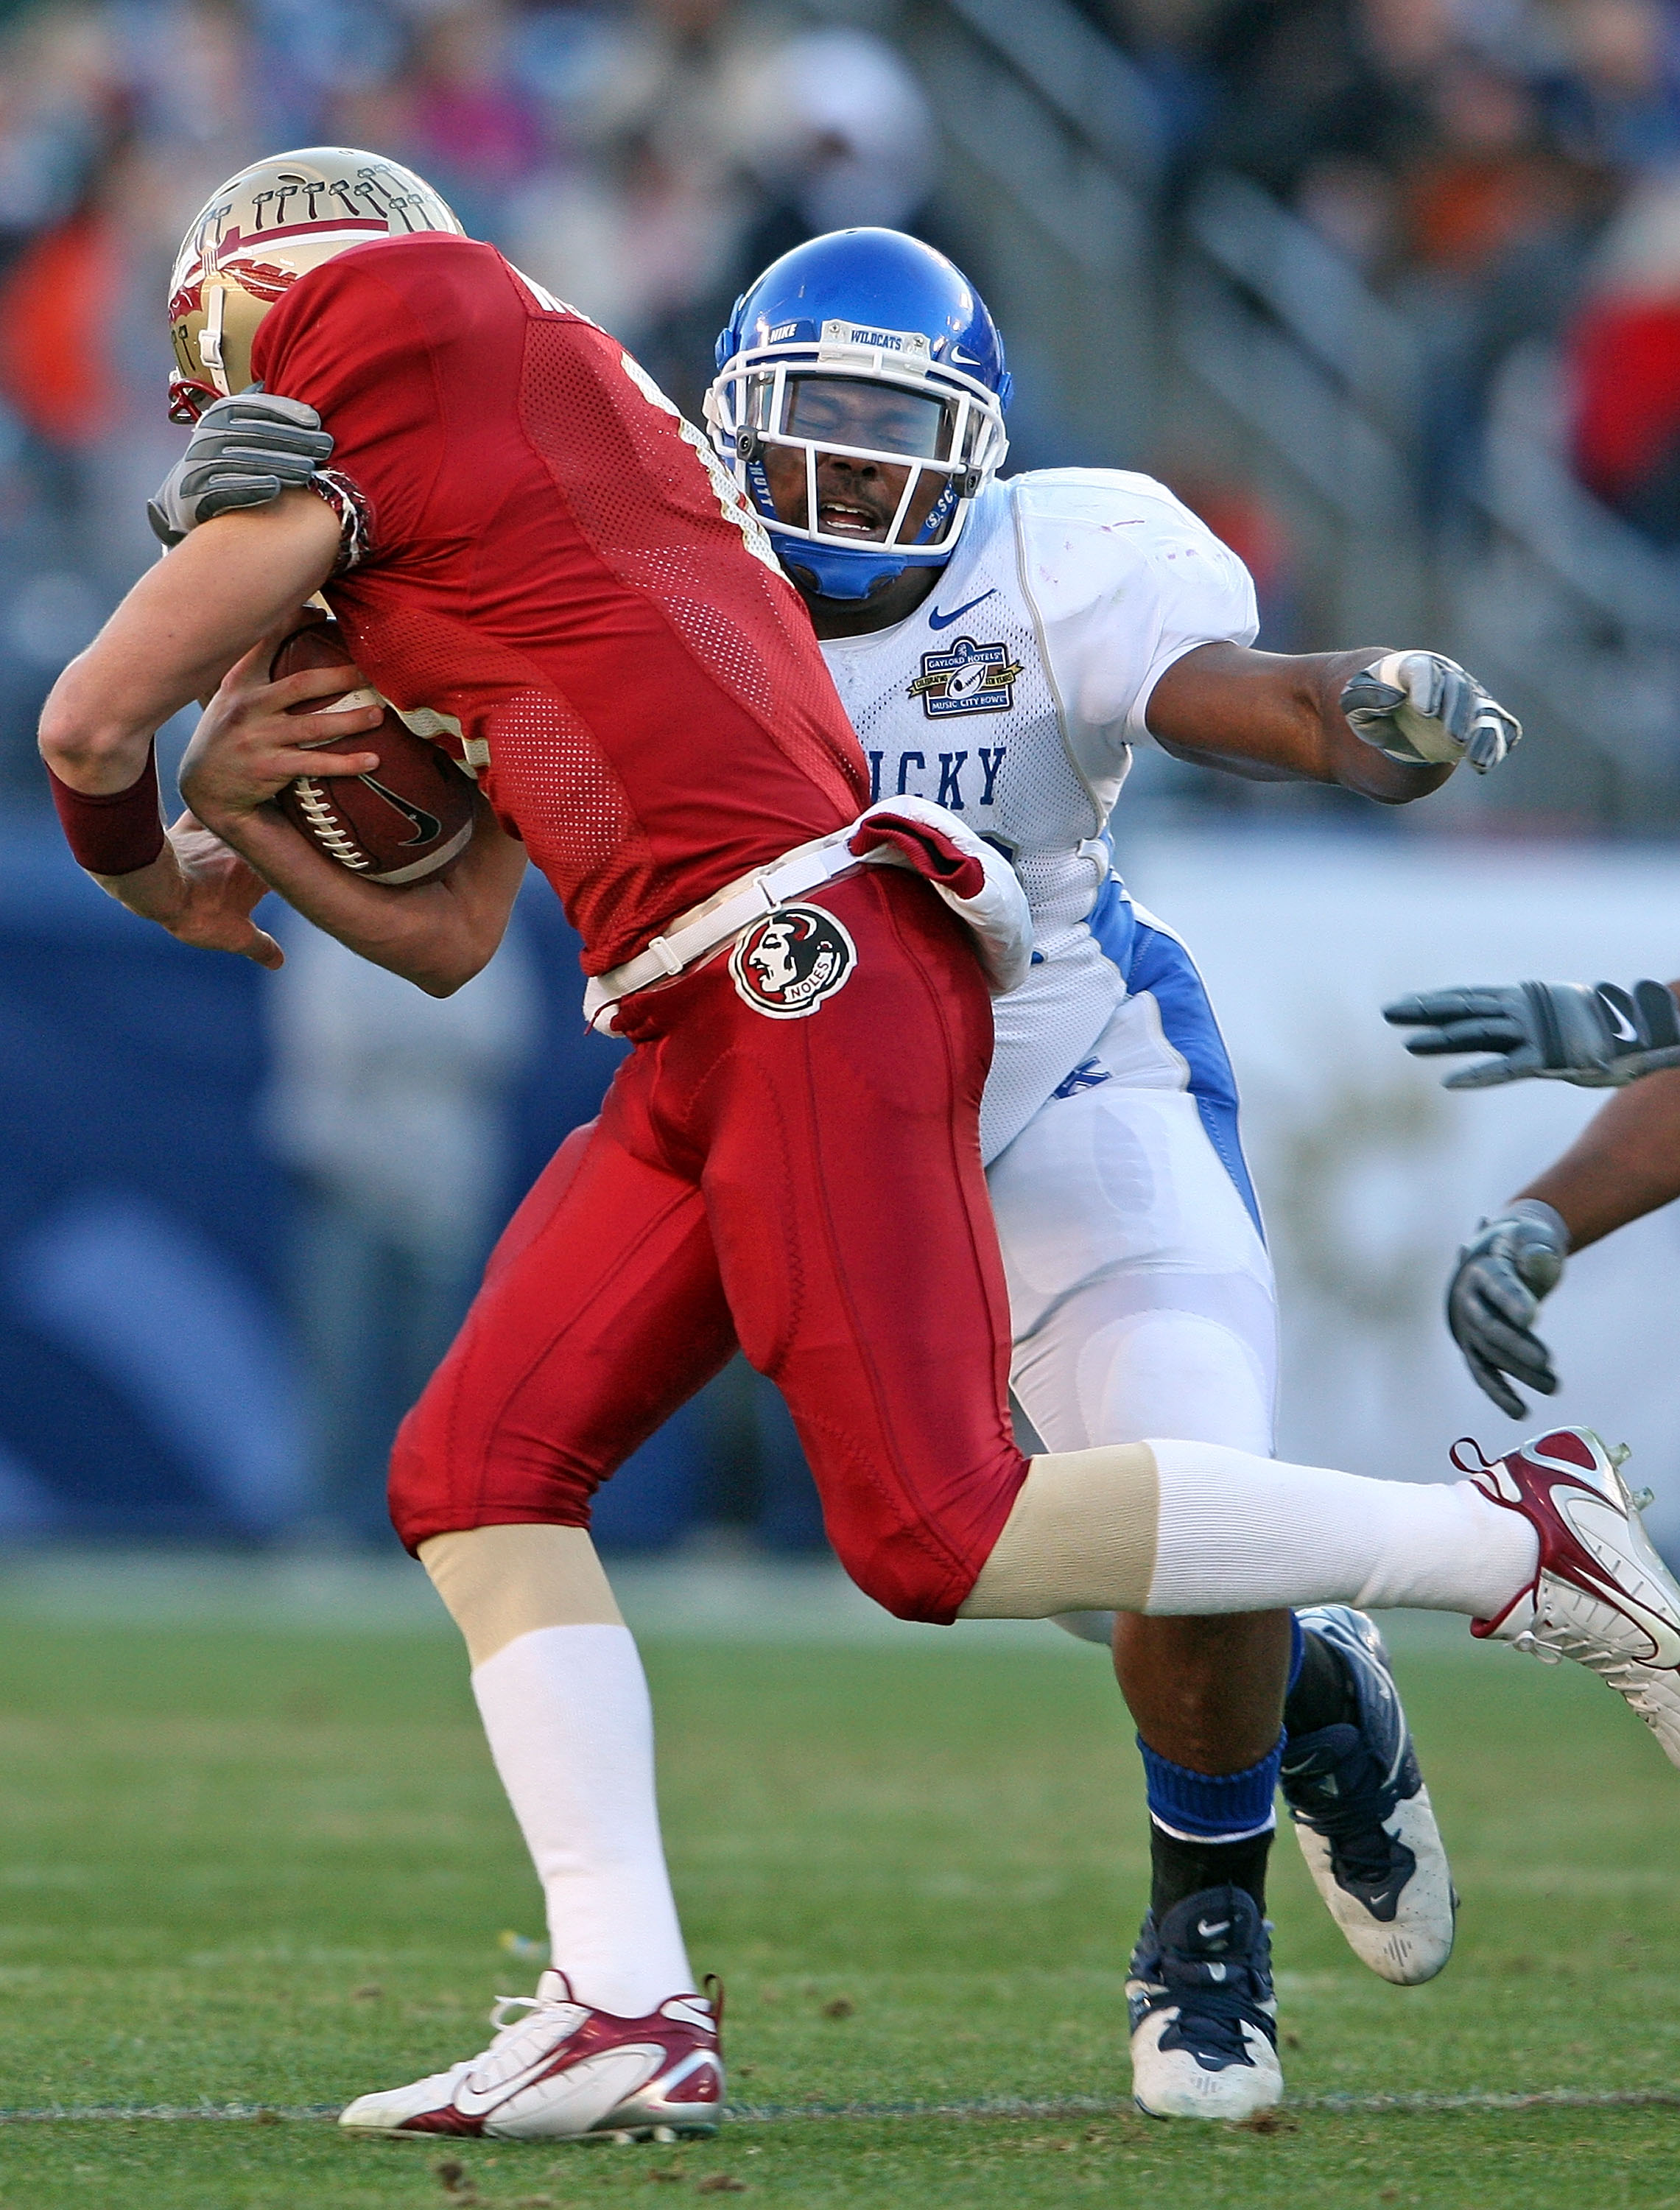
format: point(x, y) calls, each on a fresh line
point(1363, 1818)
point(1203, 2018)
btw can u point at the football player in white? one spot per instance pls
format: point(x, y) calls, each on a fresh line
point(999, 645)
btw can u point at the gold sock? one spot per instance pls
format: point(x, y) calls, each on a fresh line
point(501, 1582)
point(1082, 1537)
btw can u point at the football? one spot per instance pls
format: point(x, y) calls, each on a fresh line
point(402, 824)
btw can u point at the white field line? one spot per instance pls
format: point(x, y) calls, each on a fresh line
point(1546, 2098)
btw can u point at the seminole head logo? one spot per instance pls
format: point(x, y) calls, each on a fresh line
point(786, 964)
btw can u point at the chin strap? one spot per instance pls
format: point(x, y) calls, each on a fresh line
point(847, 574)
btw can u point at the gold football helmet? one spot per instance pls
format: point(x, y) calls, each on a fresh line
point(256, 237)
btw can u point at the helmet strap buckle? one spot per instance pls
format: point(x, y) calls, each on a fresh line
point(209, 338)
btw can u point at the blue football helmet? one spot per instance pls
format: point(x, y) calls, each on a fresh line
point(868, 345)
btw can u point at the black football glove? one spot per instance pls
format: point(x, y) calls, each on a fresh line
point(1425, 710)
point(1502, 1273)
point(244, 451)
point(1596, 1036)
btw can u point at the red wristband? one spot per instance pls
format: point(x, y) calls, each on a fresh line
point(112, 832)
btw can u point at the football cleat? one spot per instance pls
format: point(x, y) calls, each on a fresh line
point(1203, 2019)
point(1601, 1595)
point(564, 2071)
point(1363, 1818)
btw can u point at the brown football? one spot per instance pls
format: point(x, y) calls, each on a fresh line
point(406, 820)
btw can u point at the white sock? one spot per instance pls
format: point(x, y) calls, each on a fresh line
point(571, 1729)
point(1242, 1533)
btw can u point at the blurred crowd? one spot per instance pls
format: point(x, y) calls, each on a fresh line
point(1504, 171)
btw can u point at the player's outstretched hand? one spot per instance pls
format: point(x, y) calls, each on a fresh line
point(1502, 1273)
point(1425, 710)
point(217, 893)
point(1595, 1036)
point(251, 742)
point(244, 451)
point(202, 891)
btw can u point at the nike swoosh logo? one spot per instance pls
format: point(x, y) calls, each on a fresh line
point(1621, 1027)
point(1664, 1641)
point(1208, 1932)
point(426, 825)
point(473, 2100)
point(936, 621)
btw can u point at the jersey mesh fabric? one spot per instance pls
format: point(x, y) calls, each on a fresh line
point(552, 566)
point(1039, 809)
point(553, 785)
point(739, 618)
point(1083, 583)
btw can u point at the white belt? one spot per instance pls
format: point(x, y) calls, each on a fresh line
point(725, 915)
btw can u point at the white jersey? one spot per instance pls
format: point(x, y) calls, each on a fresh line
point(1013, 695)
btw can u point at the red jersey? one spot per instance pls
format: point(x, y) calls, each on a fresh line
point(556, 564)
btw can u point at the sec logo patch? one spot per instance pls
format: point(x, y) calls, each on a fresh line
point(785, 965)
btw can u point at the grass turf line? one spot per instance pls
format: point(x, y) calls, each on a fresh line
point(994, 2106)
point(271, 1868)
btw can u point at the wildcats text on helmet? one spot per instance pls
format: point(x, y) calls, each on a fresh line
point(261, 230)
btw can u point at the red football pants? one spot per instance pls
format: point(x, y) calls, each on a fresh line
point(810, 1189)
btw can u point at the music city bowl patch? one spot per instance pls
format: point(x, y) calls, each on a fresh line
point(785, 965)
point(966, 678)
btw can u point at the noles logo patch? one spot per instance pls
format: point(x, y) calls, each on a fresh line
point(785, 965)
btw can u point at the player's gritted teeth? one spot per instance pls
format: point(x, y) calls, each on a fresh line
point(853, 499)
point(850, 520)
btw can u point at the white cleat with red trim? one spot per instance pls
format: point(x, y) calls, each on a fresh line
point(565, 2071)
point(1602, 1596)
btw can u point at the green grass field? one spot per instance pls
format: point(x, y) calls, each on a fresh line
point(269, 1866)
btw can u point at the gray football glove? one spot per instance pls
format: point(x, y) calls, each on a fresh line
point(1596, 1036)
point(1502, 1273)
point(244, 451)
point(1424, 711)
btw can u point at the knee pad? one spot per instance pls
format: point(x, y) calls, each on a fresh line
point(917, 1581)
point(439, 1485)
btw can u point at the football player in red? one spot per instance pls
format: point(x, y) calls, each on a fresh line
point(523, 542)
